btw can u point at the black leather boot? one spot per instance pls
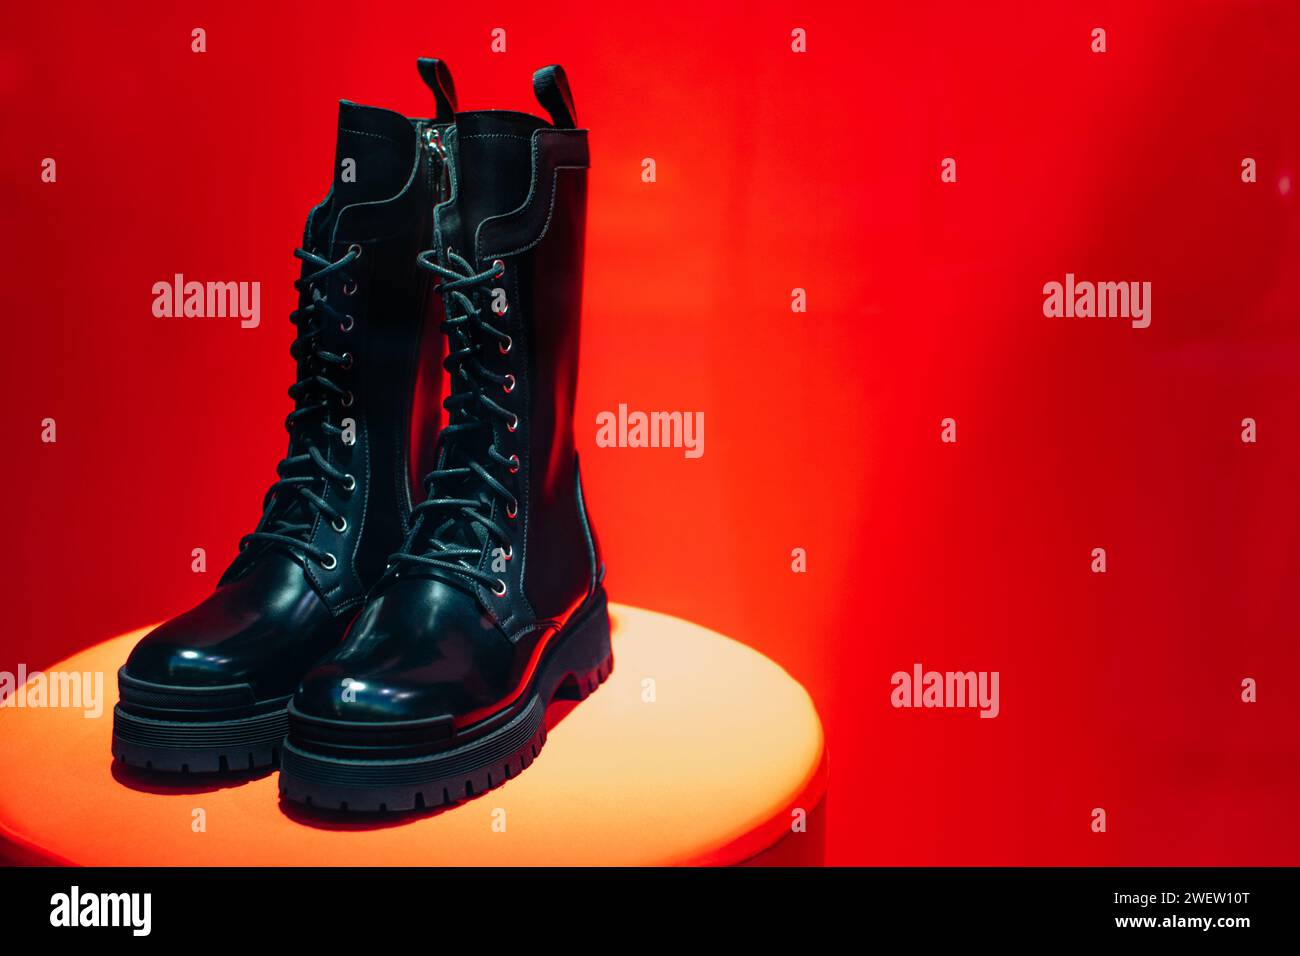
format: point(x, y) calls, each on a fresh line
point(207, 690)
point(494, 604)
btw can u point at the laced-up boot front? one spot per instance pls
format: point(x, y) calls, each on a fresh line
point(207, 690)
point(494, 605)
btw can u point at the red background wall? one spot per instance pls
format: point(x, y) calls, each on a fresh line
point(775, 171)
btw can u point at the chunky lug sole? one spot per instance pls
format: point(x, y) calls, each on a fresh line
point(575, 664)
point(196, 729)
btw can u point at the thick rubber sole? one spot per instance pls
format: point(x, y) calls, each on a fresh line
point(211, 740)
point(577, 662)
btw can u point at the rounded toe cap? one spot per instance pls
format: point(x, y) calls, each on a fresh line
point(331, 691)
point(165, 656)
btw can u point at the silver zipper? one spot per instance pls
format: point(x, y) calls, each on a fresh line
point(433, 141)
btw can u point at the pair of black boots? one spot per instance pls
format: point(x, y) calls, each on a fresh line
point(391, 649)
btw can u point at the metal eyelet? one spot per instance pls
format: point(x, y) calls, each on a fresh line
point(503, 589)
point(510, 383)
point(348, 323)
point(349, 287)
point(355, 248)
point(349, 482)
point(333, 562)
point(504, 346)
point(340, 524)
point(513, 424)
point(500, 268)
point(514, 464)
point(347, 360)
point(347, 399)
point(508, 552)
point(512, 509)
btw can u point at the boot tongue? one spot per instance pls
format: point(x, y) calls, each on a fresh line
point(373, 157)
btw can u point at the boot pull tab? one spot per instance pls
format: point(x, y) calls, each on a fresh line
point(437, 78)
point(552, 89)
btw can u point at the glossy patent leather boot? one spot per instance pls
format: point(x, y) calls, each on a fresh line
point(207, 690)
point(494, 604)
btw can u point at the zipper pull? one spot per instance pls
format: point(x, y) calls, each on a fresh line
point(433, 141)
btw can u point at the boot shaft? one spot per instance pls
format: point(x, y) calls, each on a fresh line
point(517, 206)
point(379, 318)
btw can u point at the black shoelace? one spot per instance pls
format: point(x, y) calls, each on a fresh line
point(291, 505)
point(451, 526)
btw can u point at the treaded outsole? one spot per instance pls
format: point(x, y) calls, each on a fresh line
point(351, 785)
point(377, 786)
point(193, 746)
